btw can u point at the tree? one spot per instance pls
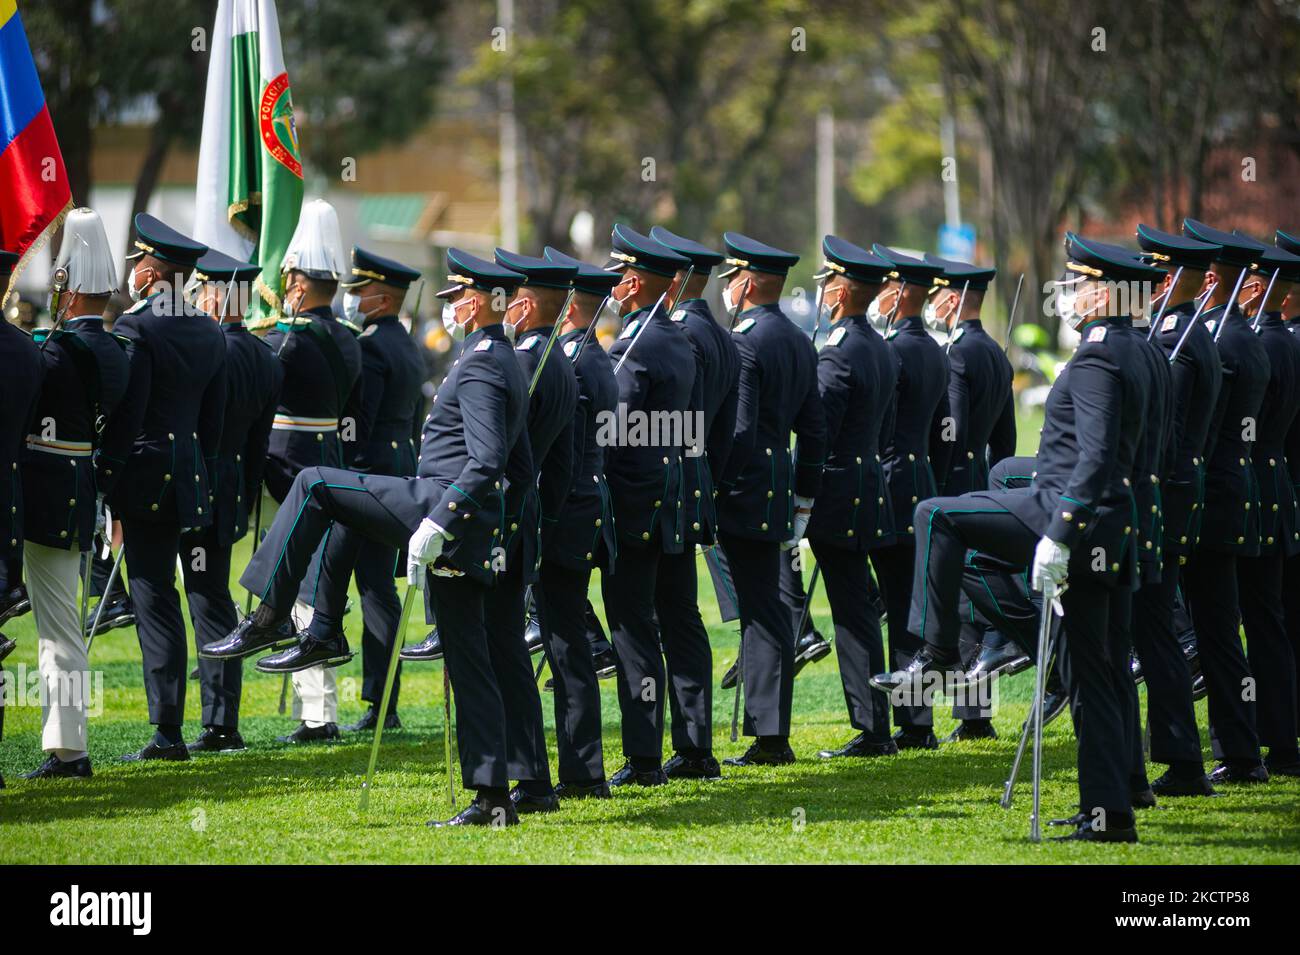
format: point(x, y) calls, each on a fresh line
point(363, 75)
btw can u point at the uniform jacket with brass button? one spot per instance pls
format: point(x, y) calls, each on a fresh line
point(21, 373)
point(1231, 521)
point(914, 428)
point(1082, 493)
point(644, 460)
point(584, 533)
point(86, 375)
point(777, 395)
point(156, 455)
point(982, 407)
point(856, 378)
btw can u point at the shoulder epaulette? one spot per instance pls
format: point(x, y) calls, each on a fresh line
point(836, 337)
point(1097, 334)
point(137, 307)
point(484, 345)
point(1169, 324)
point(679, 315)
point(570, 347)
point(531, 343)
point(288, 323)
point(630, 330)
point(960, 332)
point(744, 326)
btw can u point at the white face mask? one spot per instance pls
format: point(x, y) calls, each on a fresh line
point(615, 305)
point(135, 293)
point(1067, 303)
point(511, 328)
point(455, 330)
point(352, 307)
point(729, 301)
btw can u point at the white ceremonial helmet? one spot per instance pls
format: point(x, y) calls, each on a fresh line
point(317, 244)
point(85, 254)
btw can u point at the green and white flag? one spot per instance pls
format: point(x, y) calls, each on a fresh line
point(249, 190)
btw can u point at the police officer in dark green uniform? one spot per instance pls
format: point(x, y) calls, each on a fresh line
point(856, 379)
point(1230, 525)
point(1079, 510)
point(766, 496)
point(253, 379)
point(157, 456)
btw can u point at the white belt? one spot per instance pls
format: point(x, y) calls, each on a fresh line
point(69, 449)
point(284, 422)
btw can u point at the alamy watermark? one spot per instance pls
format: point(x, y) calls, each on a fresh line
point(624, 428)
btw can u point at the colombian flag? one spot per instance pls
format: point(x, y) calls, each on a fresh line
point(34, 190)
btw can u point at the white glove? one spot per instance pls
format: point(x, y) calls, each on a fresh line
point(1051, 565)
point(423, 549)
point(802, 512)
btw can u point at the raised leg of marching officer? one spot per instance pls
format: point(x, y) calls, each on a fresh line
point(447, 517)
point(1081, 504)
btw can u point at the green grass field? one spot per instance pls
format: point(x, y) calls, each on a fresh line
point(276, 803)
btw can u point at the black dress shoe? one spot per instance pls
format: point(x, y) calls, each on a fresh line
point(1054, 704)
point(1289, 766)
point(430, 648)
point(118, 614)
point(14, 603)
point(1199, 689)
point(1171, 785)
point(533, 634)
point(194, 674)
point(259, 631)
point(692, 767)
point(324, 733)
point(810, 648)
point(629, 775)
point(525, 802)
point(729, 678)
point(55, 768)
point(972, 729)
point(1086, 833)
point(177, 752)
point(863, 747)
point(589, 790)
point(606, 664)
point(311, 651)
point(213, 740)
point(480, 813)
point(1002, 658)
point(1143, 798)
point(1135, 670)
point(924, 666)
point(368, 720)
point(756, 755)
point(915, 739)
point(6, 646)
point(1239, 773)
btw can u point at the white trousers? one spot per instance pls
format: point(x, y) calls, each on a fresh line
point(315, 691)
point(52, 578)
